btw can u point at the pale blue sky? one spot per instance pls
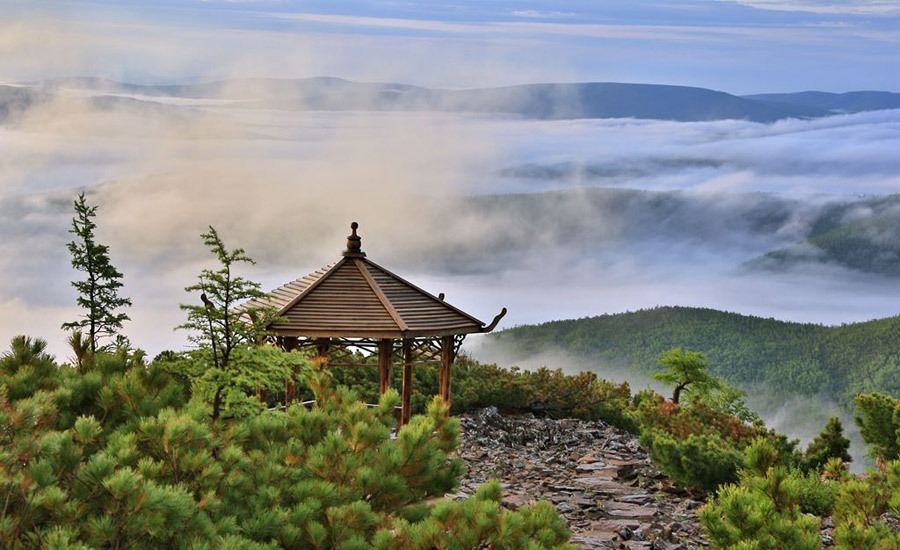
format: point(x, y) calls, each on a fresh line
point(737, 46)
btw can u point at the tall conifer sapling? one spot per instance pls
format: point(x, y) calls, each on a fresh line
point(831, 443)
point(98, 292)
point(219, 326)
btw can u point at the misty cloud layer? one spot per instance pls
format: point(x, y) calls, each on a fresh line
point(552, 219)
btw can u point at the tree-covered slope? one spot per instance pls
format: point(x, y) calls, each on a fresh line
point(864, 236)
point(789, 357)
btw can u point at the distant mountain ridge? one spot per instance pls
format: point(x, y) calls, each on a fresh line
point(849, 102)
point(533, 101)
point(17, 100)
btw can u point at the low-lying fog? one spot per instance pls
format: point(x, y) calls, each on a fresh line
point(552, 219)
point(536, 216)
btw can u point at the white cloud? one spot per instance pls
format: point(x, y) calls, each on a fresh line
point(243, 1)
point(835, 7)
point(658, 33)
point(542, 14)
point(286, 187)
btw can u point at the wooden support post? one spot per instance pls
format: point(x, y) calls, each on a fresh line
point(385, 350)
point(446, 363)
point(322, 345)
point(289, 343)
point(290, 392)
point(406, 390)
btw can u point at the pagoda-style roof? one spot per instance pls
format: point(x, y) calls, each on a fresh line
point(357, 298)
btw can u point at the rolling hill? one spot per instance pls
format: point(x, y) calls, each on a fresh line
point(531, 101)
point(789, 358)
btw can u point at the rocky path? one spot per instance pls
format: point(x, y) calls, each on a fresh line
point(598, 477)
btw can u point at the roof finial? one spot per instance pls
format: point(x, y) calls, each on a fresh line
point(354, 243)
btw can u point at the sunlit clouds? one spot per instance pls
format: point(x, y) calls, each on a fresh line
point(549, 218)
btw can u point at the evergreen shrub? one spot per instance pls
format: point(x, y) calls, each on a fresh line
point(120, 456)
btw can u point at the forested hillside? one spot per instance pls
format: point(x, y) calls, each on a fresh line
point(862, 236)
point(791, 357)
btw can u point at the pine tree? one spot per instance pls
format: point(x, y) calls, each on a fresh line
point(27, 367)
point(879, 424)
point(831, 443)
point(702, 461)
point(227, 335)
point(98, 293)
point(683, 369)
point(859, 506)
point(763, 512)
point(116, 457)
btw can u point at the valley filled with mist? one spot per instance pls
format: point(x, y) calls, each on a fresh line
point(252, 255)
point(554, 217)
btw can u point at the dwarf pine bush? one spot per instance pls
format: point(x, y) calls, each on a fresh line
point(763, 512)
point(120, 456)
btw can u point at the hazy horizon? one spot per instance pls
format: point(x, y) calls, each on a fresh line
point(550, 218)
point(458, 204)
point(163, 81)
point(731, 45)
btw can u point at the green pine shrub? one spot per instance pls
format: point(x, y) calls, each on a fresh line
point(829, 444)
point(476, 385)
point(765, 511)
point(742, 517)
point(472, 523)
point(858, 506)
point(120, 456)
point(699, 446)
point(703, 461)
point(814, 495)
point(879, 424)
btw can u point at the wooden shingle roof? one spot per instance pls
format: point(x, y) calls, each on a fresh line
point(357, 298)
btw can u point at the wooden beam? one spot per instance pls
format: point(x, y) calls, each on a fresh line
point(310, 288)
point(289, 329)
point(446, 362)
point(406, 390)
point(392, 311)
point(385, 349)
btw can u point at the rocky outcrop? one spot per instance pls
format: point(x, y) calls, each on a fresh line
point(597, 476)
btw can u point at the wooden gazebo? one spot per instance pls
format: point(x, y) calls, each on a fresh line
point(355, 305)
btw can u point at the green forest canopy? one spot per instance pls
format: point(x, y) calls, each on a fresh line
point(809, 359)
